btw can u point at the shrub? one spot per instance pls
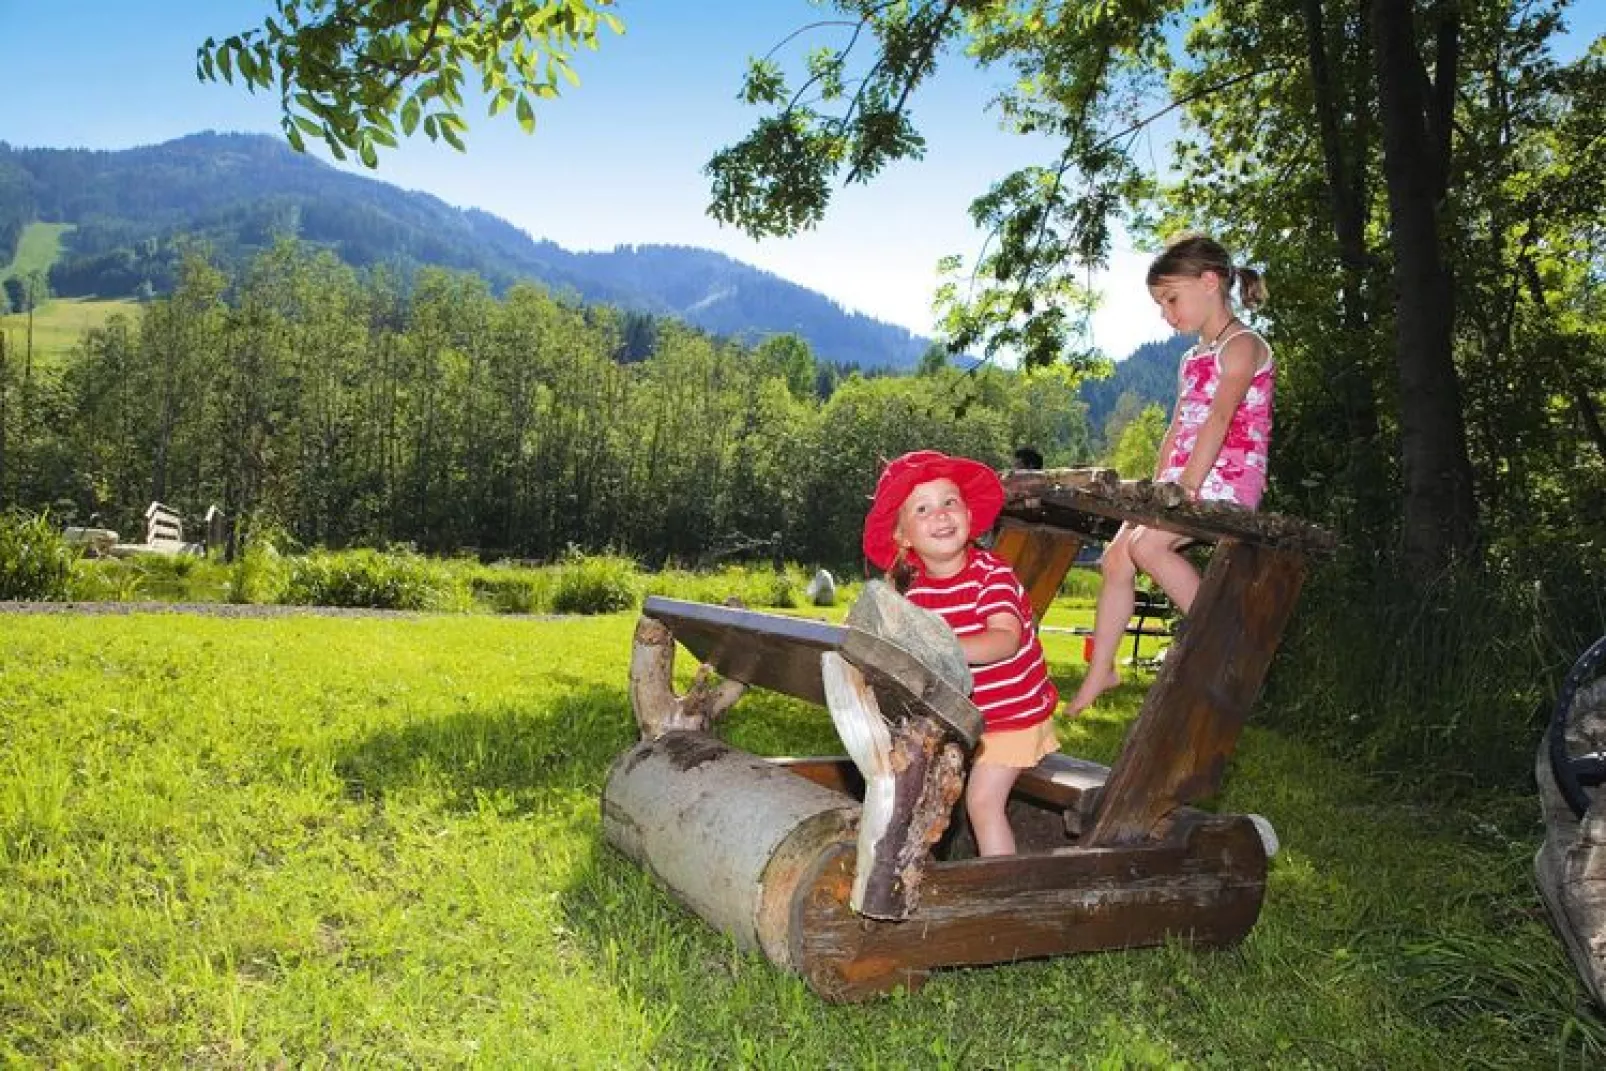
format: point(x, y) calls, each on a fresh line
point(104, 580)
point(595, 584)
point(1449, 680)
point(35, 561)
point(369, 579)
point(511, 589)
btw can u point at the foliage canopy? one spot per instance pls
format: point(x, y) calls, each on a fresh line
point(351, 73)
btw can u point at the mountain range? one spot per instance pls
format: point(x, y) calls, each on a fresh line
point(132, 209)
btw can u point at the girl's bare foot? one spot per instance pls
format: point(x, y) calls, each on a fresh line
point(1099, 680)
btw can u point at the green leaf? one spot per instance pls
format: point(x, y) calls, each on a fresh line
point(370, 158)
point(409, 115)
point(526, 113)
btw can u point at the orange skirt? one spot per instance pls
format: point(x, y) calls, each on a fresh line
point(1020, 748)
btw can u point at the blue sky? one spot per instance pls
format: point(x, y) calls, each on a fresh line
point(617, 160)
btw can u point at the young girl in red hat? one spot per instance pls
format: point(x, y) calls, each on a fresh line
point(926, 506)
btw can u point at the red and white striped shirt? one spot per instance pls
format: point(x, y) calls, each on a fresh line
point(1014, 692)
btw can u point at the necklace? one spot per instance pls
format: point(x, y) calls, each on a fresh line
point(1230, 321)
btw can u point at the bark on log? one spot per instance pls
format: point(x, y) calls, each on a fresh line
point(657, 708)
point(1046, 497)
point(913, 774)
point(729, 834)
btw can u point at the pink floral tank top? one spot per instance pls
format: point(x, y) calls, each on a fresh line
point(1239, 474)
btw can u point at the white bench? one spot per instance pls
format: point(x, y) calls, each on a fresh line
point(164, 534)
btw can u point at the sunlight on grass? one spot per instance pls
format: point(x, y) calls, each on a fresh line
point(305, 840)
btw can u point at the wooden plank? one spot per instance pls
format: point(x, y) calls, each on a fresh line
point(1203, 884)
point(1062, 780)
point(1040, 556)
point(783, 654)
point(1177, 749)
point(766, 650)
point(1050, 498)
point(835, 772)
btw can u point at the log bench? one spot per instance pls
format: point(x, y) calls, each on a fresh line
point(842, 868)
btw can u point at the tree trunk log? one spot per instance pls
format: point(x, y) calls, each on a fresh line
point(729, 834)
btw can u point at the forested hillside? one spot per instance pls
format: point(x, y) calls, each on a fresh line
point(302, 395)
point(135, 211)
point(1148, 375)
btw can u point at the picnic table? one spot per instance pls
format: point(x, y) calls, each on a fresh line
point(849, 870)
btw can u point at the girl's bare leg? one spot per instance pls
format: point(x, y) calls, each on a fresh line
point(1109, 620)
point(1156, 553)
point(985, 796)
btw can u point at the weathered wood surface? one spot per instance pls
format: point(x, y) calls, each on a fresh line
point(1060, 498)
point(912, 779)
point(1177, 750)
point(659, 709)
point(783, 654)
point(1203, 883)
point(895, 681)
point(729, 834)
point(1041, 555)
point(1570, 866)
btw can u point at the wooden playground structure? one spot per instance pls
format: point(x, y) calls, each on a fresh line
point(849, 871)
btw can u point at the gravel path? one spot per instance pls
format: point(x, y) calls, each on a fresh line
point(210, 609)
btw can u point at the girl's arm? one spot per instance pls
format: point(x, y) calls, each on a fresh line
point(1165, 447)
point(999, 640)
point(1240, 360)
point(1170, 430)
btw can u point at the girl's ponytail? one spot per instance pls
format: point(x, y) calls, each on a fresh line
point(1251, 288)
point(1191, 255)
point(901, 572)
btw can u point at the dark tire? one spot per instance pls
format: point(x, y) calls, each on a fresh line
point(1576, 774)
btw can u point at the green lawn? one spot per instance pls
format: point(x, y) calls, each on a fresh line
point(301, 841)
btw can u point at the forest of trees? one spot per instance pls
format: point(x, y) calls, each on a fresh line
point(1420, 182)
point(343, 409)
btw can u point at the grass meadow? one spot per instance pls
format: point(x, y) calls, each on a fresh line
point(37, 249)
point(313, 841)
point(58, 326)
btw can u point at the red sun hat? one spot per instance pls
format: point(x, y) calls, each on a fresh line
point(983, 492)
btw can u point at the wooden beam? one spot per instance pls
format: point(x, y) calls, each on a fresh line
point(1203, 884)
point(1177, 749)
point(1041, 556)
point(1053, 498)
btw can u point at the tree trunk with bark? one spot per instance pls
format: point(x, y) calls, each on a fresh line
point(1440, 511)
